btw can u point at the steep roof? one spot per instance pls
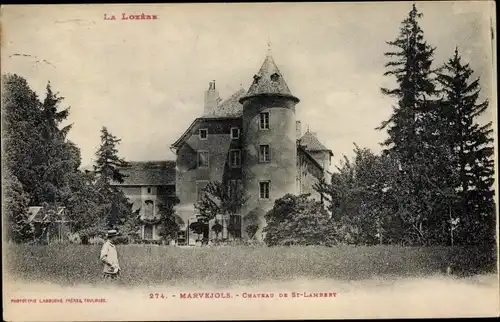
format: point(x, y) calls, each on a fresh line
point(269, 81)
point(311, 143)
point(231, 107)
point(148, 173)
point(186, 133)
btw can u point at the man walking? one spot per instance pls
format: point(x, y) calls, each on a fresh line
point(109, 256)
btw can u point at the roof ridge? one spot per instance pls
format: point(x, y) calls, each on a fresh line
point(153, 173)
point(229, 107)
point(234, 95)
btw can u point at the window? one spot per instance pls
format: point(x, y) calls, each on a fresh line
point(235, 133)
point(264, 153)
point(148, 232)
point(264, 189)
point(203, 159)
point(235, 158)
point(264, 121)
point(203, 134)
point(149, 190)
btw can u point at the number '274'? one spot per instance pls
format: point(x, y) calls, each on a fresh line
point(157, 296)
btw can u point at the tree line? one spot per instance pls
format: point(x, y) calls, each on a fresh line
point(433, 182)
point(41, 168)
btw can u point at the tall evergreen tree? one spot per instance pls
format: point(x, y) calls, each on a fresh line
point(471, 144)
point(412, 127)
point(411, 65)
point(52, 116)
point(108, 161)
point(107, 170)
point(60, 158)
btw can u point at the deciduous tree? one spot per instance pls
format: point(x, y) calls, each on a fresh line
point(221, 199)
point(15, 209)
point(360, 199)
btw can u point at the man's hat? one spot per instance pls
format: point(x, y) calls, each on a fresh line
point(112, 233)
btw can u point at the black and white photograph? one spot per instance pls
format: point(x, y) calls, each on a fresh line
point(236, 161)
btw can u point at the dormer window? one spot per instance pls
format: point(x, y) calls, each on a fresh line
point(275, 77)
point(203, 134)
point(256, 79)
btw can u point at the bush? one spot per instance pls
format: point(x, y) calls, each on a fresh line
point(298, 220)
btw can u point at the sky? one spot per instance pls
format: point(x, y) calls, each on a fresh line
point(145, 79)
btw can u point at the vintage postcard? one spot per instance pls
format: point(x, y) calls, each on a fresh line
point(249, 161)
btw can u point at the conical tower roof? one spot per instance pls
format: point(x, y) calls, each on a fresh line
point(269, 81)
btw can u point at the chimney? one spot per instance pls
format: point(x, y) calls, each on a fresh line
point(298, 129)
point(211, 98)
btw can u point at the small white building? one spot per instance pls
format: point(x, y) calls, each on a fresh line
point(49, 225)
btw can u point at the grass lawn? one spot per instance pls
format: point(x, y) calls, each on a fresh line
point(225, 266)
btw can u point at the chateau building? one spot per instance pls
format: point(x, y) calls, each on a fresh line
point(252, 138)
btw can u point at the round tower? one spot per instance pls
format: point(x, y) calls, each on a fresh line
point(269, 162)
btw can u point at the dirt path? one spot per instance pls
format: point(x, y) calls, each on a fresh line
point(428, 297)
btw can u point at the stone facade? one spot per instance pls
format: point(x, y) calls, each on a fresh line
point(252, 137)
point(289, 165)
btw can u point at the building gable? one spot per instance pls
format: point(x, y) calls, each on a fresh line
point(210, 123)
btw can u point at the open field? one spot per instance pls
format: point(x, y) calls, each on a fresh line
point(226, 266)
point(369, 282)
